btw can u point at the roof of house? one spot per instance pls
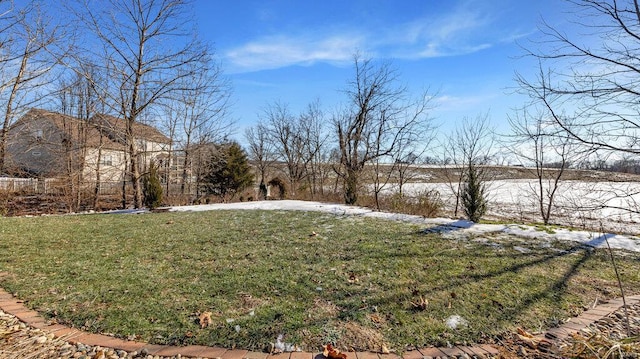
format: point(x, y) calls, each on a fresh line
point(116, 128)
point(72, 126)
point(113, 127)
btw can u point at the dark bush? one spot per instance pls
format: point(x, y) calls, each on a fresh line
point(152, 188)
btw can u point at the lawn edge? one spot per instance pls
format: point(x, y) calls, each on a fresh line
point(14, 306)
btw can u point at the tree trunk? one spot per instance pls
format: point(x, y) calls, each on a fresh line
point(135, 177)
point(124, 182)
point(183, 179)
point(351, 187)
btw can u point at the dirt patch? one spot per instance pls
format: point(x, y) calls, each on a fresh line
point(358, 338)
point(323, 308)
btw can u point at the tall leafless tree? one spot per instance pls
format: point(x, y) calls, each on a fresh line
point(197, 113)
point(288, 142)
point(538, 141)
point(25, 59)
point(261, 153)
point(149, 49)
point(315, 138)
point(374, 121)
point(79, 102)
point(587, 77)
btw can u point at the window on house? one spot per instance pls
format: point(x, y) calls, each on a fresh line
point(107, 160)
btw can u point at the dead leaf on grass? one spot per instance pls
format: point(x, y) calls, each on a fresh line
point(376, 318)
point(421, 303)
point(205, 319)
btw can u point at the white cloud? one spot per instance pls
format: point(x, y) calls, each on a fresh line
point(447, 102)
point(280, 51)
point(464, 30)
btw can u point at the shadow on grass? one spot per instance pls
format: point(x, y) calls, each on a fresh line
point(449, 227)
point(600, 239)
point(554, 289)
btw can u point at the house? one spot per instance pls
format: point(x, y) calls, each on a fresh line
point(151, 144)
point(49, 144)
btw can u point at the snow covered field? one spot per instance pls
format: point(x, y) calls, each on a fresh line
point(615, 205)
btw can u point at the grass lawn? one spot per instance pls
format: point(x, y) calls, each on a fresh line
point(263, 273)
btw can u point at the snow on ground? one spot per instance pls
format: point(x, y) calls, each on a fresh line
point(593, 239)
point(614, 206)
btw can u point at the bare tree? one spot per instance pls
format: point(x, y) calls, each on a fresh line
point(469, 147)
point(25, 58)
point(374, 121)
point(197, 112)
point(412, 145)
point(149, 51)
point(399, 166)
point(78, 101)
point(538, 141)
point(288, 142)
point(262, 154)
point(312, 129)
point(587, 79)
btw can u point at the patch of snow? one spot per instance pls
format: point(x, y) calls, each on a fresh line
point(281, 346)
point(588, 238)
point(456, 321)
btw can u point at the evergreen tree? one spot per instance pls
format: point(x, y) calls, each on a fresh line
point(152, 188)
point(473, 196)
point(229, 171)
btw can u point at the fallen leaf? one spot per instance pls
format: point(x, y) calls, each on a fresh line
point(531, 342)
point(331, 353)
point(421, 303)
point(524, 333)
point(205, 319)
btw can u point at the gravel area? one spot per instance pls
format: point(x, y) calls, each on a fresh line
point(19, 341)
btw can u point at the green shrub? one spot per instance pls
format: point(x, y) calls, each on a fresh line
point(152, 188)
point(473, 197)
point(228, 171)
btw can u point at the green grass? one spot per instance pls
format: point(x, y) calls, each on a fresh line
point(149, 276)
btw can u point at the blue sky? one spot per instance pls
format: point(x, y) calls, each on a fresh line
point(298, 51)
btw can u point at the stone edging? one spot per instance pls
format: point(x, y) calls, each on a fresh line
point(588, 317)
point(16, 307)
